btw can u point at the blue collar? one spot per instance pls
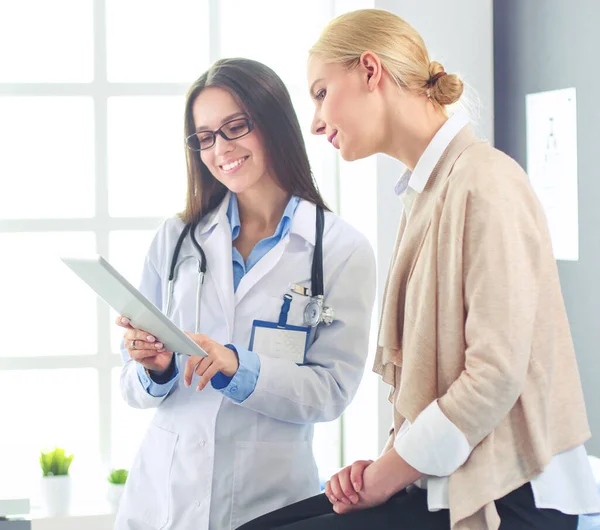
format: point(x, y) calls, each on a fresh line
point(233, 214)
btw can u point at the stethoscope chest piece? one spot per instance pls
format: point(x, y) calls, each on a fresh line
point(315, 312)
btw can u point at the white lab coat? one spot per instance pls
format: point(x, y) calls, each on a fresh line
point(207, 462)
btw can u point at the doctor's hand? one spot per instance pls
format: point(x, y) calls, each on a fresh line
point(220, 359)
point(345, 485)
point(144, 348)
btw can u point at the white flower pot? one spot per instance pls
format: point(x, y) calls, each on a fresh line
point(113, 495)
point(56, 495)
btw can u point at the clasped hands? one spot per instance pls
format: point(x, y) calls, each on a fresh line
point(367, 483)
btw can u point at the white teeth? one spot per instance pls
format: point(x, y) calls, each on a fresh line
point(233, 165)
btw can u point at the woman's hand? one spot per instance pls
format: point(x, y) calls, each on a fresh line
point(144, 348)
point(345, 485)
point(389, 474)
point(220, 359)
point(370, 495)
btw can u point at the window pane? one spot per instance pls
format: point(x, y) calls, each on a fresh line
point(360, 421)
point(46, 309)
point(322, 155)
point(279, 35)
point(48, 41)
point(326, 447)
point(358, 206)
point(47, 147)
point(146, 156)
point(150, 41)
point(127, 252)
point(128, 426)
point(47, 408)
point(128, 249)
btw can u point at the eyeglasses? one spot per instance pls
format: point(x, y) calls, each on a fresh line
point(231, 130)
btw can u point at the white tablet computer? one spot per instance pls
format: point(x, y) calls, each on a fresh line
point(126, 300)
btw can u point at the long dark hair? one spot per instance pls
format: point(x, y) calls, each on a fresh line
point(264, 97)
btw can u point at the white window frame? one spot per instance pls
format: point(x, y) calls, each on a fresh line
point(101, 224)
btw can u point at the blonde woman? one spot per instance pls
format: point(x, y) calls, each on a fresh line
point(489, 417)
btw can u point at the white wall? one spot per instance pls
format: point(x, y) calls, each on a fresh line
point(458, 35)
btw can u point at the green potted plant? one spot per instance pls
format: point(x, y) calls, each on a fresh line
point(56, 482)
point(116, 484)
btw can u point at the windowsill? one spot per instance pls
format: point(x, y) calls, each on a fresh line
point(91, 516)
point(74, 522)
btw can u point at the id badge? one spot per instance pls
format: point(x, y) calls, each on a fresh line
point(278, 339)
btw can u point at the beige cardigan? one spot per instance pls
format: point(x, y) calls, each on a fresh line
point(473, 316)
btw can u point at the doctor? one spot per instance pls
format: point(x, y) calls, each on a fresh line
point(232, 435)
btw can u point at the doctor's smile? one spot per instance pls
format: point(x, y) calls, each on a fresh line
point(232, 167)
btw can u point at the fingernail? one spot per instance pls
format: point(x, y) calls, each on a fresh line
point(150, 338)
point(345, 501)
point(356, 487)
point(124, 320)
point(158, 345)
point(354, 498)
point(186, 383)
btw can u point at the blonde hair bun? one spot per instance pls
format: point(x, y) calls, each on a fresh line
point(444, 88)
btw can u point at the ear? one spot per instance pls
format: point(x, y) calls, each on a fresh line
point(372, 68)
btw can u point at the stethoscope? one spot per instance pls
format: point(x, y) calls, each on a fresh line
point(315, 310)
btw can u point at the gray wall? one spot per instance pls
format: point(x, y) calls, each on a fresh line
point(547, 45)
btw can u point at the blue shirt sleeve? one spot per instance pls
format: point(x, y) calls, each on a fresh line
point(157, 389)
point(240, 386)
